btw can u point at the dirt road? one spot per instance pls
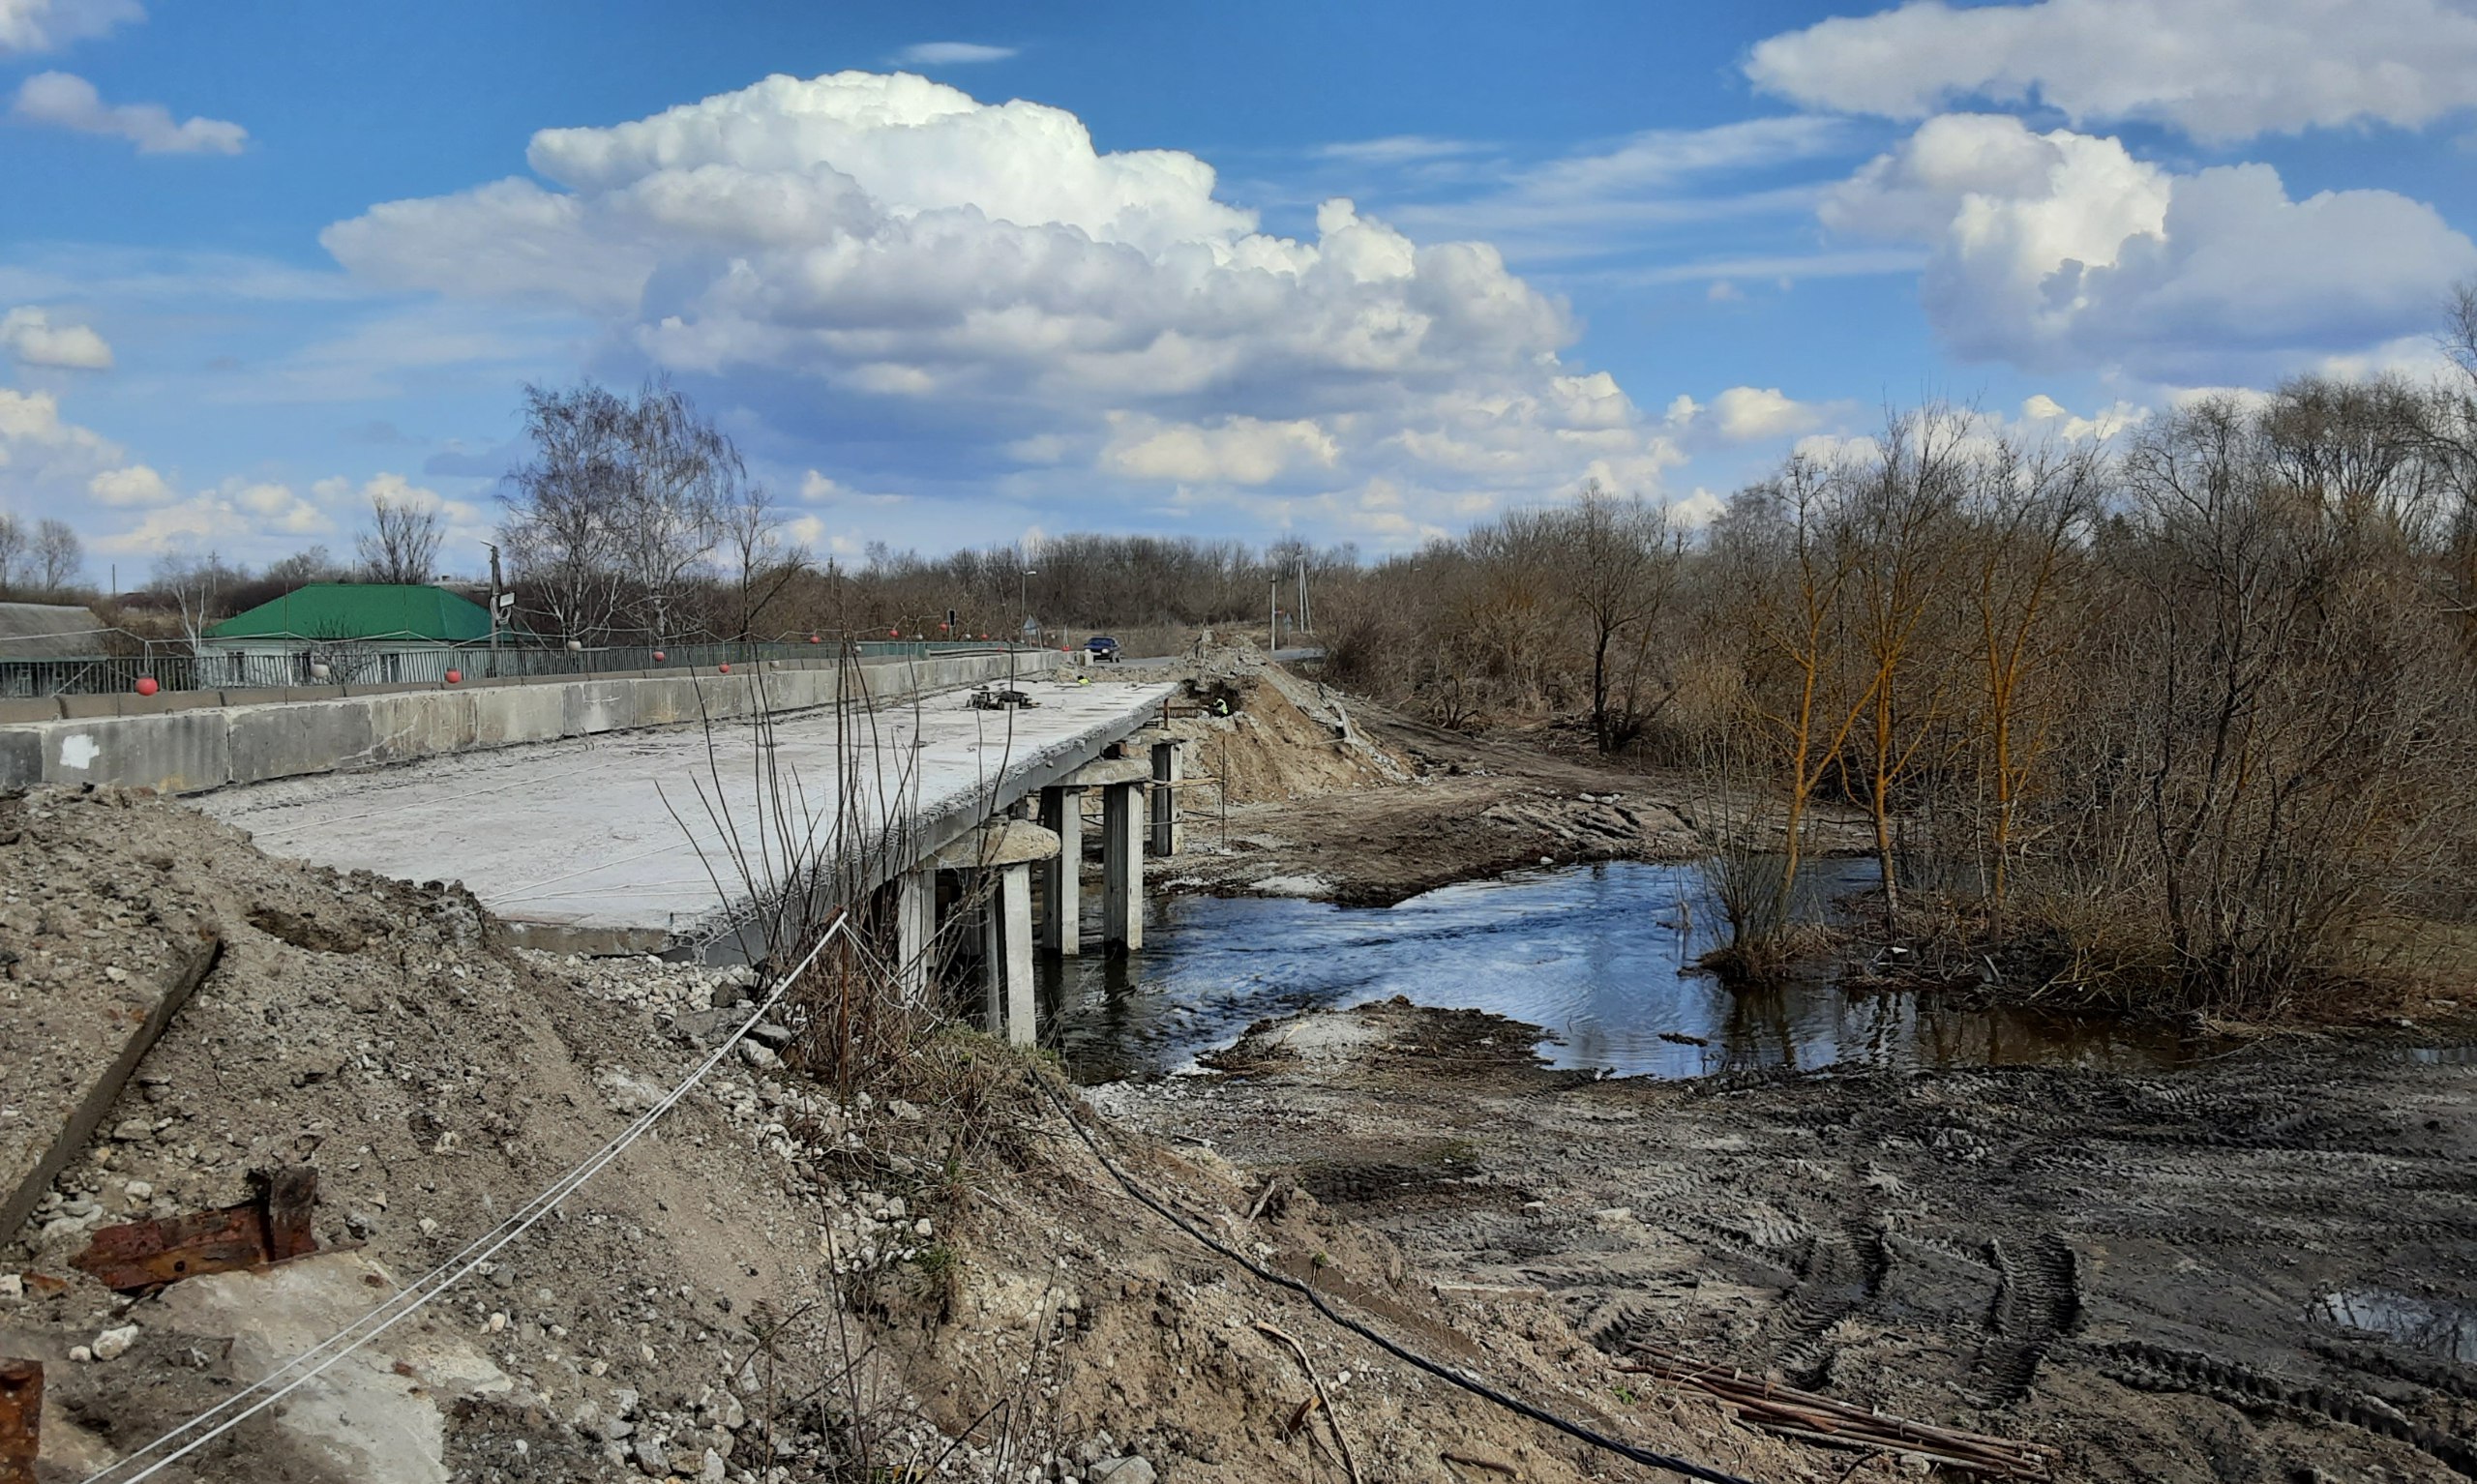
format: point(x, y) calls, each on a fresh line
point(2260, 1269)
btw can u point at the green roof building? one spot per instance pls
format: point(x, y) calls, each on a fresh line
point(385, 614)
point(345, 634)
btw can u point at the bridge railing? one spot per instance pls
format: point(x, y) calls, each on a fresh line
point(316, 662)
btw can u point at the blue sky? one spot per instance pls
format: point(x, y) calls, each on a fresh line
point(1362, 273)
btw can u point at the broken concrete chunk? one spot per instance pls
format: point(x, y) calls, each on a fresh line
point(113, 1344)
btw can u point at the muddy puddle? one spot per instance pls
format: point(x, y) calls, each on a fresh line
point(1600, 955)
point(2437, 1327)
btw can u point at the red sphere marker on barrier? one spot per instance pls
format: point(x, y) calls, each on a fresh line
point(659, 657)
point(726, 666)
point(146, 685)
point(812, 638)
point(454, 677)
point(894, 634)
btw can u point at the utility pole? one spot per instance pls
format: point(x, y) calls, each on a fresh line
point(1273, 620)
point(494, 609)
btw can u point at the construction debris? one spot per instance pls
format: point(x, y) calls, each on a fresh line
point(1813, 1418)
point(271, 1226)
point(20, 1419)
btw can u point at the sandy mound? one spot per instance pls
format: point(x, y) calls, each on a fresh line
point(1284, 738)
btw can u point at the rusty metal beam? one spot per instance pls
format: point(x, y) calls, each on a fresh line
point(20, 1419)
point(271, 1224)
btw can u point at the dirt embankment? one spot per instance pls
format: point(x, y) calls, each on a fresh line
point(2264, 1268)
point(1325, 795)
point(931, 1277)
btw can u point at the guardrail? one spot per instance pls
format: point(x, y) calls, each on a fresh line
point(349, 664)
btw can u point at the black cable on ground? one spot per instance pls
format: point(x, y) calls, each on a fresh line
point(1515, 1404)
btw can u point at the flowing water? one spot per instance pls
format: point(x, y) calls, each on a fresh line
point(1602, 955)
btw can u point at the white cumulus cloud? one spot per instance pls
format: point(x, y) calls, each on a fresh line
point(43, 25)
point(1746, 413)
point(2061, 248)
point(66, 100)
point(2219, 70)
point(810, 245)
point(49, 464)
point(28, 334)
point(1237, 450)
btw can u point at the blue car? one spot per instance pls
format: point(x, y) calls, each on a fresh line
point(1103, 649)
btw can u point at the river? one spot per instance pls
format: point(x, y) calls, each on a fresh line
point(1600, 955)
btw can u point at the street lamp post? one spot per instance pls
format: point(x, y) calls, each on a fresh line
point(1022, 590)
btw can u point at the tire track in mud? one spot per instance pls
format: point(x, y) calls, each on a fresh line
point(2038, 1297)
point(2149, 1367)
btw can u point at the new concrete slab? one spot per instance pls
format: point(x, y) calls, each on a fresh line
point(618, 840)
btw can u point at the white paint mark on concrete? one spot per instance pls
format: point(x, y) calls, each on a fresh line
point(79, 751)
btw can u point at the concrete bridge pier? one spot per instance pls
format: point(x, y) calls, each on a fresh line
point(915, 930)
point(1062, 875)
point(1123, 867)
point(1006, 951)
point(996, 862)
point(1169, 836)
point(1124, 783)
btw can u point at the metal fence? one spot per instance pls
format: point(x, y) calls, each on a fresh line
point(325, 663)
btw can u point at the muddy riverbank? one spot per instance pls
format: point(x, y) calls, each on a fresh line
point(1316, 794)
point(2259, 1266)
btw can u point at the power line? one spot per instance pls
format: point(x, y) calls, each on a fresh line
point(1480, 1389)
point(411, 1299)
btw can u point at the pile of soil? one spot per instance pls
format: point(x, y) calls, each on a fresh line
point(2260, 1267)
point(930, 1276)
point(1340, 799)
point(1284, 738)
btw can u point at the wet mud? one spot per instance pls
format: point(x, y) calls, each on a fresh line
point(2261, 1265)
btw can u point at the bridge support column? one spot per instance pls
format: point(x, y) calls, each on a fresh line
point(1167, 836)
point(1063, 875)
point(1122, 866)
point(915, 929)
point(996, 862)
point(1006, 951)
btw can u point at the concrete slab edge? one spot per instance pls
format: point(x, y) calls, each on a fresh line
point(88, 1116)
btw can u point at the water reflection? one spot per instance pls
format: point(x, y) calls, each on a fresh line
point(2448, 1330)
point(1598, 955)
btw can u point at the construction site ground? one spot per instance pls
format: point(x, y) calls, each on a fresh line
point(2263, 1266)
point(928, 1275)
point(1315, 793)
point(2260, 1268)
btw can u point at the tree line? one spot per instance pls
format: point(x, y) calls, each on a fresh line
point(2181, 718)
point(40, 561)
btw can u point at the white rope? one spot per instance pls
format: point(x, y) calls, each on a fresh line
point(355, 1335)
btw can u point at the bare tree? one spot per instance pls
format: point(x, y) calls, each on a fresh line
point(620, 505)
point(310, 564)
point(1619, 565)
point(57, 556)
point(761, 560)
point(12, 553)
point(197, 587)
point(401, 544)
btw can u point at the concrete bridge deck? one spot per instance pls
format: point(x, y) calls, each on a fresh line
point(575, 842)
